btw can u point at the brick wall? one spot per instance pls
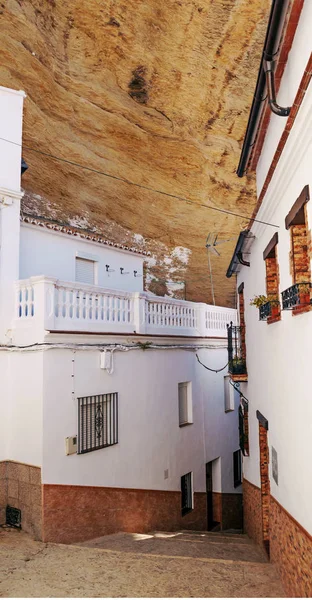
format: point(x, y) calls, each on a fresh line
point(20, 487)
point(300, 263)
point(78, 513)
point(272, 285)
point(265, 484)
point(291, 551)
point(252, 511)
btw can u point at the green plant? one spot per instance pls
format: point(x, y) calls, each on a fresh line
point(260, 300)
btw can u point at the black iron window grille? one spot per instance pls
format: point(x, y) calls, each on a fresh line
point(236, 350)
point(97, 422)
point(13, 517)
point(296, 295)
point(237, 467)
point(269, 309)
point(187, 493)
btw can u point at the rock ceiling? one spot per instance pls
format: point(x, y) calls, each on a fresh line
point(153, 91)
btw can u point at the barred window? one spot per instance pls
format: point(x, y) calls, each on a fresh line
point(187, 493)
point(97, 422)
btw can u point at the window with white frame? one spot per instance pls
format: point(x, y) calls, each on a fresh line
point(228, 394)
point(85, 270)
point(187, 494)
point(185, 403)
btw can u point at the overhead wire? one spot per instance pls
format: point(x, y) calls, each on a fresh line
point(139, 185)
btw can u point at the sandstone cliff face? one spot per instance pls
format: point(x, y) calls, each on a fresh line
point(153, 91)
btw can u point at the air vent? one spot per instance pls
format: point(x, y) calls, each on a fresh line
point(13, 517)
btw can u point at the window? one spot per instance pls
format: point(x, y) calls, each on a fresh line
point(237, 468)
point(271, 310)
point(185, 404)
point(243, 427)
point(228, 394)
point(187, 493)
point(298, 296)
point(85, 270)
point(97, 422)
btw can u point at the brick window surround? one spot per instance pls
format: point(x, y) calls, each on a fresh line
point(272, 278)
point(300, 241)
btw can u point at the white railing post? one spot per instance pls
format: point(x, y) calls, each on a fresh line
point(44, 288)
point(201, 319)
point(139, 312)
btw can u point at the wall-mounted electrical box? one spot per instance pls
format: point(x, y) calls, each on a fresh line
point(71, 445)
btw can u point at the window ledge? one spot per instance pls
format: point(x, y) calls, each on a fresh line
point(186, 424)
point(299, 310)
point(271, 320)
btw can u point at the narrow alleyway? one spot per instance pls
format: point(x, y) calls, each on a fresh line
point(180, 564)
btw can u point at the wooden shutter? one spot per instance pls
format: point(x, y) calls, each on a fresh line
point(85, 270)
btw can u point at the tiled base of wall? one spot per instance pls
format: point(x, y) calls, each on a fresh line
point(78, 513)
point(252, 511)
point(228, 510)
point(291, 550)
point(20, 487)
point(290, 544)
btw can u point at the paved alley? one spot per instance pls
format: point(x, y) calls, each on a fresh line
point(180, 564)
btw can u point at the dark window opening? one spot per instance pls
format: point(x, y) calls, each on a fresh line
point(237, 468)
point(187, 493)
point(97, 422)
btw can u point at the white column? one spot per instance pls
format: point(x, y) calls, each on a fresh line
point(11, 117)
point(139, 312)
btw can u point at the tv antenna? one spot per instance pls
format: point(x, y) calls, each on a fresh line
point(211, 243)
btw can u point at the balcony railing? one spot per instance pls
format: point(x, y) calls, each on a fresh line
point(237, 353)
point(46, 304)
point(296, 296)
point(270, 309)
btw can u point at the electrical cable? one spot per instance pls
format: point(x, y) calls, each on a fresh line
point(208, 368)
point(144, 187)
point(113, 347)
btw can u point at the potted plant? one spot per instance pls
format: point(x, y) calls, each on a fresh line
point(238, 366)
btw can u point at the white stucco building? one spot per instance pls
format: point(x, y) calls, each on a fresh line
point(108, 420)
point(274, 339)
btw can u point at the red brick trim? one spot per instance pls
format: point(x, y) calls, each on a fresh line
point(304, 531)
point(288, 38)
point(288, 127)
point(73, 513)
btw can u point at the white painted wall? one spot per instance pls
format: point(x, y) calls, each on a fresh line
point(150, 439)
point(294, 70)
point(45, 252)
point(279, 355)
point(21, 405)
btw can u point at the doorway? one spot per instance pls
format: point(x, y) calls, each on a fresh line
point(213, 498)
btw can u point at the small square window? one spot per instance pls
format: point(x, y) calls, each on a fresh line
point(187, 493)
point(85, 271)
point(228, 394)
point(185, 404)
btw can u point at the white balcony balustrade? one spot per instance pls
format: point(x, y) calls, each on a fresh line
point(46, 305)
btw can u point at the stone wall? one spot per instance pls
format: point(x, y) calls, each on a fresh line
point(252, 511)
point(78, 513)
point(291, 551)
point(228, 510)
point(20, 487)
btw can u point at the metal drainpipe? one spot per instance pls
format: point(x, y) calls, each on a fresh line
point(280, 111)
